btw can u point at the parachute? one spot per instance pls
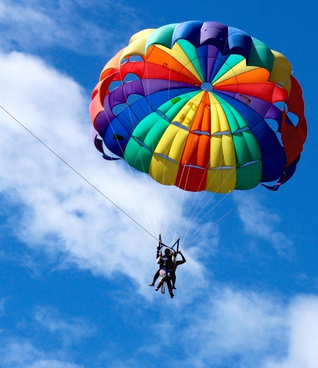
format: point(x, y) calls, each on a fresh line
point(201, 106)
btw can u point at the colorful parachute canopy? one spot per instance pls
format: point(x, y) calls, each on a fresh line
point(201, 106)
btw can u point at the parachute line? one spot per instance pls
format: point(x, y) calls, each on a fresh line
point(130, 113)
point(76, 172)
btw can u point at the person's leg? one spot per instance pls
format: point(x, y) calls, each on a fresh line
point(168, 281)
point(159, 285)
point(173, 279)
point(156, 275)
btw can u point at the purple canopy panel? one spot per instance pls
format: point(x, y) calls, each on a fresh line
point(214, 33)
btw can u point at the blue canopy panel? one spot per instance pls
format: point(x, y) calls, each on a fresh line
point(122, 126)
point(273, 154)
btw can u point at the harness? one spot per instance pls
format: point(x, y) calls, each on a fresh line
point(176, 243)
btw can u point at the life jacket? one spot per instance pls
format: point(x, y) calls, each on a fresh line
point(166, 262)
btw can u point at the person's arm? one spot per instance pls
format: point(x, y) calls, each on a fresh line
point(182, 256)
point(158, 252)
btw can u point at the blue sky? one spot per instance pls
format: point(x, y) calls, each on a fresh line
point(75, 270)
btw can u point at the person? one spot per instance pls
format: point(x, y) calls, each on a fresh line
point(166, 265)
point(156, 275)
point(176, 264)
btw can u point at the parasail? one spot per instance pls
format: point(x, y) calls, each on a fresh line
point(201, 106)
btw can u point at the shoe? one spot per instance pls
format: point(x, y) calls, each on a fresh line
point(156, 288)
point(173, 287)
point(172, 295)
point(151, 284)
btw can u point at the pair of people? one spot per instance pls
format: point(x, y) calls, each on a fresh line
point(167, 269)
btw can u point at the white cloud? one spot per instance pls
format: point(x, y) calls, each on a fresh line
point(303, 335)
point(244, 329)
point(229, 328)
point(232, 324)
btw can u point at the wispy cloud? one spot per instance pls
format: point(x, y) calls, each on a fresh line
point(18, 353)
point(261, 223)
point(68, 330)
point(2, 306)
point(76, 25)
point(232, 327)
point(48, 341)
